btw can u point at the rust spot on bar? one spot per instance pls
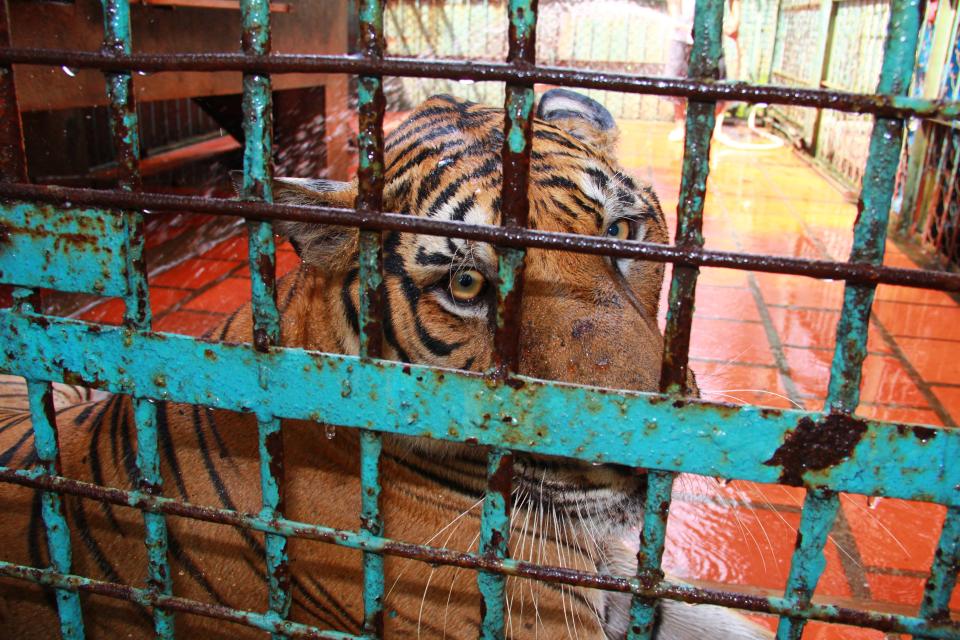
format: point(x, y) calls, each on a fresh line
point(814, 446)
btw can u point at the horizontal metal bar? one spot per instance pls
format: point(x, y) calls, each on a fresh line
point(550, 418)
point(500, 236)
point(149, 598)
point(891, 106)
point(443, 556)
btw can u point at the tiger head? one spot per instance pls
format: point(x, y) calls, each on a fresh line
point(586, 319)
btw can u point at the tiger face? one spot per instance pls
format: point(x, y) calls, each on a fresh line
point(585, 319)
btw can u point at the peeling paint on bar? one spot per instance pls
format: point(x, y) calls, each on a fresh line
point(169, 603)
point(629, 428)
point(816, 521)
point(80, 250)
point(652, 538)
point(55, 525)
point(935, 605)
point(257, 186)
point(870, 234)
point(495, 542)
point(674, 371)
point(371, 104)
point(137, 313)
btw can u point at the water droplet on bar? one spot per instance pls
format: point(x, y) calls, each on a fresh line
point(330, 431)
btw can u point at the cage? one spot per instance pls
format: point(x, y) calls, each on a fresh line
point(91, 240)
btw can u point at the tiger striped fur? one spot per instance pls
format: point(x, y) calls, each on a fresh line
point(585, 319)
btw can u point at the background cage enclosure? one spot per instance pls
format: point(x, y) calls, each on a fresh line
point(762, 445)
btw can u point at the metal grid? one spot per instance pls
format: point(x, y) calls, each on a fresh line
point(763, 445)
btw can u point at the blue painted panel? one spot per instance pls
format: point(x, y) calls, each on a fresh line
point(69, 249)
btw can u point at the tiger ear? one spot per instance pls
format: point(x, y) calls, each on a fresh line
point(580, 116)
point(317, 244)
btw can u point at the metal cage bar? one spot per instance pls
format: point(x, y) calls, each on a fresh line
point(662, 424)
point(674, 373)
point(51, 506)
point(870, 233)
point(371, 104)
point(515, 156)
point(137, 314)
point(847, 101)
point(257, 186)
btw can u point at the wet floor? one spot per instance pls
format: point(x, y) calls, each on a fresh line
point(757, 338)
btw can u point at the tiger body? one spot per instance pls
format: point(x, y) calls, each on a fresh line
point(585, 319)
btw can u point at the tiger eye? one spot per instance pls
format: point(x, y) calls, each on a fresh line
point(619, 230)
point(467, 285)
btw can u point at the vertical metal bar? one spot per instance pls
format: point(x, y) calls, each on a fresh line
point(870, 231)
point(58, 535)
point(808, 562)
point(258, 186)
point(700, 120)
point(704, 64)
point(13, 159)
point(517, 145)
point(943, 574)
point(371, 522)
point(137, 315)
point(13, 168)
point(371, 105)
point(652, 538)
point(258, 174)
point(494, 542)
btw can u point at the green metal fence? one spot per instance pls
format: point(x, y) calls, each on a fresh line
point(828, 451)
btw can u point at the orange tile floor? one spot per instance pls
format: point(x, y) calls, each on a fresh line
point(757, 338)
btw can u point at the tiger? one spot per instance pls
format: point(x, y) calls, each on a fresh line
point(585, 319)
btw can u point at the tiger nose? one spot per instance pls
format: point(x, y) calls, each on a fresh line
point(618, 350)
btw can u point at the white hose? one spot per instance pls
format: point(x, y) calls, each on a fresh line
point(773, 142)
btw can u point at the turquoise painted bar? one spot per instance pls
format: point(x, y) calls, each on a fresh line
point(51, 507)
point(635, 429)
point(80, 250)
point(843, 394)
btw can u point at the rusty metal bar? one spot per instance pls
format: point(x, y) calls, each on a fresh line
point(495, 542)
point(43, 417)
point(515, 154)
point(434, 555)
point(674, 372)
point(117, 38)
point(851, 272)
point(371, 104)
point(943, 574)
point(704, 57)
point(643, 617)
point(257, 186)
point(170, 604)
point(884, 105)
point(870, 235)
